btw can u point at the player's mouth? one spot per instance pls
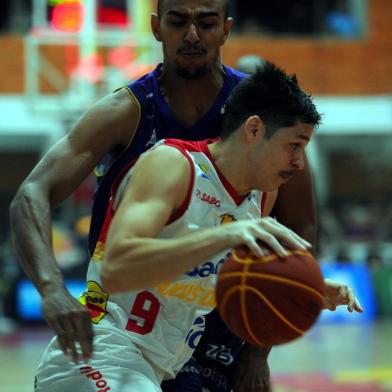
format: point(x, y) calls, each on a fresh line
point(192, 52)
point(286, 175)
point(192, 55)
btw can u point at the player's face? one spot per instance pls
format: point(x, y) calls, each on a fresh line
point(281, 156)
point(192, 32)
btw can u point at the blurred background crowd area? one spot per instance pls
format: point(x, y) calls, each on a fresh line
point(339, 18)
point(60, 56)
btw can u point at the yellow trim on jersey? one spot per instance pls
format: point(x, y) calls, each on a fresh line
point(138, 120)
point(137, 126)
point(98, 252)
point(188, 292)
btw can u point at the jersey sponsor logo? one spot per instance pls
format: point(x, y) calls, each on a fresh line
point(227, 218)
point(204, 169)
point(217, 379)
point(195, 333)
point(190, 369)
point(187, 292)
point(153, 138)
point(95, 299)
point(251, 196)
point(204, 197)
point(208, 268)
point(220, 353)
point(96, 376)
point(223, 109)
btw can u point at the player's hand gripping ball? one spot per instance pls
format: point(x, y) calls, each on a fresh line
point(270, 300)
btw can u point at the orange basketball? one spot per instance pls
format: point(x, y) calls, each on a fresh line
point(269, 300)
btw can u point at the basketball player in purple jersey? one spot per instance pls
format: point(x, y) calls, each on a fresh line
point(182, 98)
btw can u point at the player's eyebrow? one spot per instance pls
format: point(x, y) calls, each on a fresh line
point(201, 14)
point(304, 137)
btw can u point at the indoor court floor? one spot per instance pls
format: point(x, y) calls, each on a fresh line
point(331, 358)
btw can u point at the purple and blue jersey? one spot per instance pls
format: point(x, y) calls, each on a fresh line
point(156, 122)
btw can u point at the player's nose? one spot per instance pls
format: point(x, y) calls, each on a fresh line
point(298, 161)
point(191, 35)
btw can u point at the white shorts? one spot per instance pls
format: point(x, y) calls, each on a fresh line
point(116, 366)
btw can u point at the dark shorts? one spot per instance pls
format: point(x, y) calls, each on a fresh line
point(212, 363)
point(194, 376)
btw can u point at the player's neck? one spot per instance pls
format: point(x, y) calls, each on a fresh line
point(232, 165)
point(171, 82)
point(190, 100)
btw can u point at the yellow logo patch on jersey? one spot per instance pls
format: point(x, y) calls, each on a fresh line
point(227, 218)
point(95, 299)
point(203, 167)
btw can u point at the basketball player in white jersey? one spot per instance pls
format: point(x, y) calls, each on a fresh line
point(172, 220)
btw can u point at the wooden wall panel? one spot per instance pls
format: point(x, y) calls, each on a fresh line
point(324, 66)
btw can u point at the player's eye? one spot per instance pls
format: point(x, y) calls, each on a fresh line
point(177, 23)
point(207, 23)
point(206, 26)
point(295, 146)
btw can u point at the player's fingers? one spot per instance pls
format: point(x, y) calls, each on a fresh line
point(357, 306)
point(350, 300)
point(353, 303)
point(271, 241)
point(254, 247)
point(84, 333)
point(287, 237)
point(69, 335)
point(344, 296)
point(285, 234)
point(330, 306)
point(57, 328)
point(260, 387)
point(297, 238)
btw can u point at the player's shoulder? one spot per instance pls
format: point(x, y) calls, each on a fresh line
point(166, 167)
point(141, 94)
point(166, 157)
point(146, 87)
point(119, 103)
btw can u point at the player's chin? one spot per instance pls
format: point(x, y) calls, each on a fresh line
point(285, 177)
point(274, 183)
point(191, 70)
point(270, 186)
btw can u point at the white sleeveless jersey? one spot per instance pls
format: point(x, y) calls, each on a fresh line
point(166, 321)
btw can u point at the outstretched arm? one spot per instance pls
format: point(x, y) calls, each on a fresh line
point(56, 176)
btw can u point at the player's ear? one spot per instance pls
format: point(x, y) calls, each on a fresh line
point(156, 26)
point(226, 29)
point(254, 129)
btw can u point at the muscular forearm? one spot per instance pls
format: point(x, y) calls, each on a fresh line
point(31, 233)
point(145, 262)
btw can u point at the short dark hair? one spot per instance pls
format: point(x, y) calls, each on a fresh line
point(274, 96)
point(226, 8)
